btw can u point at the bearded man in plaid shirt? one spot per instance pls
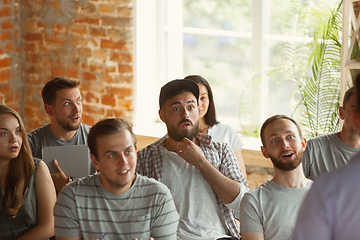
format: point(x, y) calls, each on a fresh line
point(203, 176)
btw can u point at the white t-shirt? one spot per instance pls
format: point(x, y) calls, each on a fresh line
point(224, 133)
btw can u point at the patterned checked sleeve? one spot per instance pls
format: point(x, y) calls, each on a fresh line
point(229, 165)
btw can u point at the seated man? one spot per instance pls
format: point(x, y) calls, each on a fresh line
point(331, 210)
point(269, 211)
point(329, 152)
point(116, 201)
point(63, 103)
point(203, 176)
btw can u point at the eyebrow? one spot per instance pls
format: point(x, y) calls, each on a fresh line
point(18, 127)
point(68, 99)
point(275, 134)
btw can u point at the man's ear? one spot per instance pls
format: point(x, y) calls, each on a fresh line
point(341, 113)
point(303, 144)
point(264, 152)
point(48, 109)
point(162, 115)
point(95, 162)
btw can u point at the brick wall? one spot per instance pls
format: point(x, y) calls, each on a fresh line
point(91, 41)
point(10, 80)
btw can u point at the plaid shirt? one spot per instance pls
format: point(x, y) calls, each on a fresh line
point(149, 163)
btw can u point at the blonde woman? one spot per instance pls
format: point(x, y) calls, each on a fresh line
point(27, 191)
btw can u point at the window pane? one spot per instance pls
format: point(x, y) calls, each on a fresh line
point(225, 62)
point(232, 15)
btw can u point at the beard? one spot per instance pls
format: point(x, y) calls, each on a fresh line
point(288, 165)
point(66, 124)
point(178, 135)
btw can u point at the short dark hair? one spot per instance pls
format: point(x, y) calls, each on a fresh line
point(210, 116)
point(350, 92)
point(107, 127)
point(177, 87)
point(51, 88)
point(357, 87)
point(274, 118)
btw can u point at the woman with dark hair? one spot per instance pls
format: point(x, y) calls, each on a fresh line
point(27, 190)
point(208, 123)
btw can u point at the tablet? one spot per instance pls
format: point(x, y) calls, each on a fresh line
point(74, 160)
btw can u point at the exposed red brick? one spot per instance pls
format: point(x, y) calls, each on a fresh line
point(5, 12)
point(33, 58)
point(125, 68)
point(29, 47)
point(7, 25)
point(4, 86)
point(87, 20)
point(60, 27)
point(104, 77)
point(33, 37)
point(116, 22)
point(97, 32)
point(55, 4)
point(91, 98)
point(91, 109)
point(33, 80)
point(88, 120)
point(41, 25)
point(55, 38)
point(7, 2)
point(79, 29)
point(5, 62)
point(108, 100)
point(120, 34)
point(95, 67)
point(126, 104)
point(110, 69)
point(6, 36)
point(79, 40)
point(125, 12)
point(107, 8)
point(121, 92)
point(65, 72)
point(10, 47)
point(114, 113)
point(30, 26)
point(85, 52)
point(89, 76)
point(120, 57)
point(122, 46)
point(100, 54)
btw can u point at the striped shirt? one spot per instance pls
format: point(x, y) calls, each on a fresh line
point(218, 154)
point(85, 208)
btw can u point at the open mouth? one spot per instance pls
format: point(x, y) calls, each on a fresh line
point(125, 171)
point(14, 148)
point(287, 155)
point(76, 118)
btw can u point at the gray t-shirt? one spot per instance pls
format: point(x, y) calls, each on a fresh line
point(195, 200)
point(272, 209)
point(324, 154)
point(85, 208)
point(43, 137)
